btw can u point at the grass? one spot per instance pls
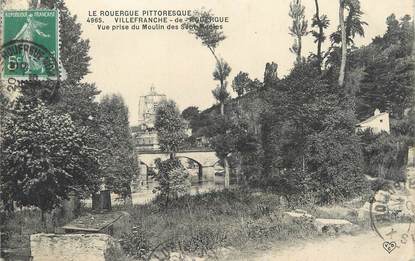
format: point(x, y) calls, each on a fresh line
point(202, 224)
point(17, 227)
point(198, 225)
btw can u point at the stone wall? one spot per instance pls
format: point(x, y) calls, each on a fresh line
point(75, 247)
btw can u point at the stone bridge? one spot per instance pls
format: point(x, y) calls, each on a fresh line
point(205, 159)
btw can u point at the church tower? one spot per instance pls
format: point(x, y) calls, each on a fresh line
point(146, 135)
point(147, 107)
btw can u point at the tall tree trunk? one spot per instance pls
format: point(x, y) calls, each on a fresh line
point(226, 166)
point(239, 170)
point(320, 32)
point(225, 159)
point(344, 43)
point(222, 112)
point(128, 198)
point(43, 220)
point(303, 163)
point(300, 47)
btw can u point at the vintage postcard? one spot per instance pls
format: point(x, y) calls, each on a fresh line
point(207, 130)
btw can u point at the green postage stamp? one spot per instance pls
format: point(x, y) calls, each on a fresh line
point(30, 44)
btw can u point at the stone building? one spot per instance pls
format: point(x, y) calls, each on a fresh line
point(145, 134)
point(378, 122)
point(147, 107)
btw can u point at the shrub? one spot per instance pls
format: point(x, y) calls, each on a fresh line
point(335, 163)
point(136, 244)
point(172, 178)
point(384, 155)
point(261, 229)
point(203, 240)
point(274, 228)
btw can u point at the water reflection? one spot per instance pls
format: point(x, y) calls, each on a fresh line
point(144, 193)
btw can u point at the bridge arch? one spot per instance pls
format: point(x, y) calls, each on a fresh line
point(200, 167)
point(206, 160)
point(143, 170)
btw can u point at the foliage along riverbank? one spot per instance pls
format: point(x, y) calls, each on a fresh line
point(205, 224)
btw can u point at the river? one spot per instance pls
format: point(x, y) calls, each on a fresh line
point(144, 193)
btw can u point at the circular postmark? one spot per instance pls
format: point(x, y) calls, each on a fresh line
point(30, 68)
point(391, 214)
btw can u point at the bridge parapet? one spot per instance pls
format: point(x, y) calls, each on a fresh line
point(206, 158)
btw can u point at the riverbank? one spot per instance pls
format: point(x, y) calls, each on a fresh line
point(209, 224)
point(214, 223)
point(145, 195)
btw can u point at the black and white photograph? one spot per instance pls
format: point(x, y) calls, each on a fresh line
point(234, 130)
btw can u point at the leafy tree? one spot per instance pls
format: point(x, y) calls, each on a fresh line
point(44, 157)
point(243, 84)
point(74, 50)
point(220, 74)
point(170, 127)
point(233, 135)
point(343, 43)
point(232, 139)
point(172, 177)
point(200, 124)
point(74, 59)
point(303, 87)
point(190, 113)
point(309, 130)
point(405, 128)
point(119, 160)
point(298, 29)
point(334, 157)
point(79, 101)
point(240, 83)
point(322, 23)
point(202, 26)
point(384, 156)
point(392, 34)
point(73, 97)
point(254, 85)
point(353, 23)
point(387, 67)
point(349, 28)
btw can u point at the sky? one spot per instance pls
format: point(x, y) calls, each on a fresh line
point(129, 62)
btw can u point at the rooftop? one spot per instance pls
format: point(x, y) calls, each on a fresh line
point(372, 118)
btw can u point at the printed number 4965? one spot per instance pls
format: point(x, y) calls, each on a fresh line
point(94, 20)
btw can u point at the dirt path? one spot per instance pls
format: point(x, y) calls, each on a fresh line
point(366, 246)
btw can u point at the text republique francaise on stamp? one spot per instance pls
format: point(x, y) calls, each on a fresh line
point(30, 45)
